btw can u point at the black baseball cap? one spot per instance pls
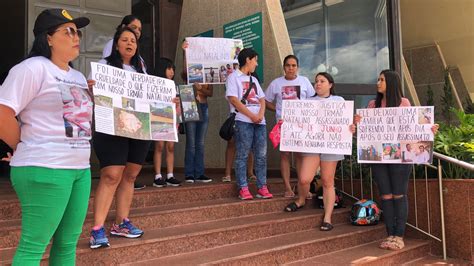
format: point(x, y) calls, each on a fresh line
point(54, 17)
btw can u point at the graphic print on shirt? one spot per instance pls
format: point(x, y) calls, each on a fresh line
point(77, 111)
point(252, 98)
point(290, 92)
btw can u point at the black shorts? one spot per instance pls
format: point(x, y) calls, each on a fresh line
point(115, 150)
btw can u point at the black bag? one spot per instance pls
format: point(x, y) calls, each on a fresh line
point(227, 129)
point(319, 199)
point(181, 129)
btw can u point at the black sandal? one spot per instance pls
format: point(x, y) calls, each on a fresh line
point(292, 207)
point(326, 227)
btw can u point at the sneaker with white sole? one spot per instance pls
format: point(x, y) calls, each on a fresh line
point(171, 181)
point(244, 194)
point(125, 229)
point(204, 179)
point(263, 193)
point(159, 182)
point(98, 239)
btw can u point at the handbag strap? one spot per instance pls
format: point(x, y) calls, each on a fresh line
point(247, 92)
point(250, 88)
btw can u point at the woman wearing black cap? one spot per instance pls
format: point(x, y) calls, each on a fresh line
point(50, 168)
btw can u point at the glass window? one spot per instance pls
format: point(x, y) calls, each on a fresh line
point(346, 38)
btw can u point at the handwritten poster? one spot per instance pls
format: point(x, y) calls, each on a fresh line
point(133, 105)
point(211, 60)
point(317, 126)
point(395, 135)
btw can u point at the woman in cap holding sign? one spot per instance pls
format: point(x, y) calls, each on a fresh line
point(392, 179)
point(120, 158)
point(50, 168)
point(310, 162)
point(291, 86)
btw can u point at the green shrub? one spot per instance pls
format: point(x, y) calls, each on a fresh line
point(456, 139)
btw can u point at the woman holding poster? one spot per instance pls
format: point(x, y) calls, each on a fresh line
point(120, 158)
point(392, 179)
point(310, 162)
point(291, 86)
point(50, 166)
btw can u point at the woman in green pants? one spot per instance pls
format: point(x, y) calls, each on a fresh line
point(50, 164)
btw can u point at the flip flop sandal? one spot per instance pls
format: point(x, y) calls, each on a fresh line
point(289, 195)
point(326, 227)
point(292, 207)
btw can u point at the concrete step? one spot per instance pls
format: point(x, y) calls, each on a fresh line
point(370, 254)
point(434, 260)
point(193, 237)
point(277, 249)
point(151, 196)
point(156, 217)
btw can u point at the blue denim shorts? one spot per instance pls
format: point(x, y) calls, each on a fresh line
point(325, 157)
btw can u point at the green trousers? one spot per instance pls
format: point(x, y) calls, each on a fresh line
point(53, 205)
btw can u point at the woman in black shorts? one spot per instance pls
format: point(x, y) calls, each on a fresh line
point(120, 158)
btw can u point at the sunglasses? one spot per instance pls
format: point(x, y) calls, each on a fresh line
point(72, 32)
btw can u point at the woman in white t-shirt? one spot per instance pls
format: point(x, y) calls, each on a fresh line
point(244, 93)
point(310, 162)
point(291, 86)
point(50, 168)
point(120, 158)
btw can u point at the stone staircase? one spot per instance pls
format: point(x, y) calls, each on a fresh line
point(207, 224)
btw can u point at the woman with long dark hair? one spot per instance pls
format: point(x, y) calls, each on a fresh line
point(392, 179)
point(50, 168)
point(120, 158)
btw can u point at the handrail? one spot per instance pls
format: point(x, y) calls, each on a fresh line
point(455, 161)
point(349, 191)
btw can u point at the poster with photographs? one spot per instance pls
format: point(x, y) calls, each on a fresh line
point(395, 135)
point(211, 60)
point(189, 105)
point(133, 105)
point(317, 126)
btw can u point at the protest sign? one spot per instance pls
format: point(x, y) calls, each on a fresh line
point(317, 126)
point(189, 104)
point(133, 105)
point(211, 60)
point(395, 135)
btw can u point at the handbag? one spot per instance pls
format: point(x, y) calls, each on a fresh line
point(275, 134)
point(226, 131)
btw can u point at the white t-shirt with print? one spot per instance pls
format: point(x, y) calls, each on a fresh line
point(54, 111)
point(283, 89)
point(236, 85)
